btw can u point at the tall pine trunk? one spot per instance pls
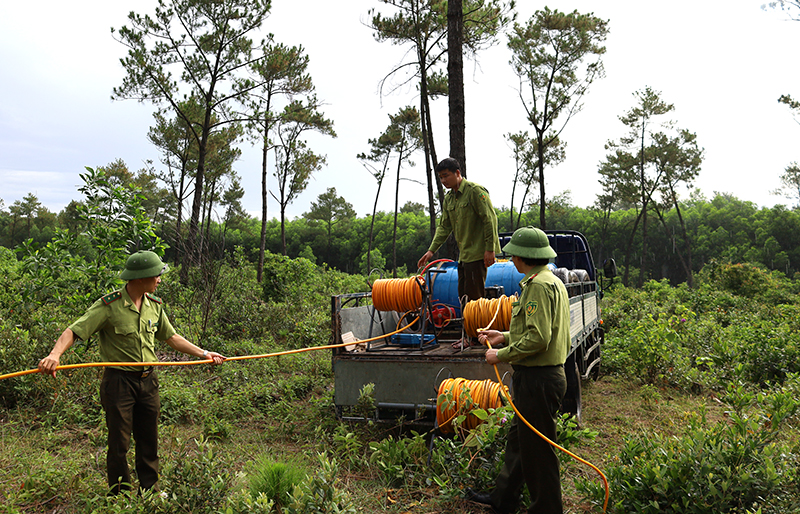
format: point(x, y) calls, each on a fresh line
point(263, 241)
point(396, 208)
point(455, 83)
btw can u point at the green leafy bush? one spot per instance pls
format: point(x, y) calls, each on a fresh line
point(319, 493)
point(726, 466)
point(195, 478)
point(749, 280)
point(401, 461)
point(242, 503)
point(89, 261)
point(651, 351)
point(348, 447)
point(179, 403)
point(471, 458)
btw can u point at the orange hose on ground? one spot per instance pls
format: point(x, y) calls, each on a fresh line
point(484, 393)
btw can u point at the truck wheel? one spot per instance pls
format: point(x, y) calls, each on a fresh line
point(572, 399)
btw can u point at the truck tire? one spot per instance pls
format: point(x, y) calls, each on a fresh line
point(572, 399)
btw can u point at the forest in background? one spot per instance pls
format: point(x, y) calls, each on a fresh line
point(722, 229)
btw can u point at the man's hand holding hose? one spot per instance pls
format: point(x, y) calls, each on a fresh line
point(491, 338)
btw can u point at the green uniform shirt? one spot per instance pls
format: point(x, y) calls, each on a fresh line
point(126, 335)
point(539, 331)
point(469, 215)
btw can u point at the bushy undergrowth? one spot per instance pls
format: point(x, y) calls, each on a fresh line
point(735, 337)
point(739, 323)
point(738, 465)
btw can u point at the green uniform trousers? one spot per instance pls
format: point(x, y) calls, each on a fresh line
point(132, 405)
point(529, 459)
point(471, 281)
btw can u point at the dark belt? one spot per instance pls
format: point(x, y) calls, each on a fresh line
point(144, 373)
point(520, 367)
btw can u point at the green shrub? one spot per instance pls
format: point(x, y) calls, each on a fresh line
point(749, 280)
point(709, 468)
point(179, 402)
point(470, 459)
point(42, 485)
point(195, 479)
point(129, 502)
point(319, 494)
point(401, 461)
point(651, 351)
point(215, 429)
point(295, 386)
point(17, 353)
point(768, 351)
point(242, 503)
point(348, 447)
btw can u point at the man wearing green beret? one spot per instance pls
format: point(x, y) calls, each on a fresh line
point(537, 346)
point(128, 322)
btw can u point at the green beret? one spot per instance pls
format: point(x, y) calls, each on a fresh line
point(531, 243)
point(143, 264)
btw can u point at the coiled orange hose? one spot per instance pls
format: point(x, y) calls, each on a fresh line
point(398, 294)
point(479, 313)
point(465, 394)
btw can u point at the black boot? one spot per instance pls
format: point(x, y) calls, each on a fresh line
point(483, 498)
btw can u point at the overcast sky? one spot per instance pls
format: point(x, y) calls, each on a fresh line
point(722, 64)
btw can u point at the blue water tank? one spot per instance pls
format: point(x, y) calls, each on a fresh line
point(444, 284)
point(504, 274)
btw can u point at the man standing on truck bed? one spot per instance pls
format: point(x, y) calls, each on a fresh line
point(537, 346)
point(468, 214)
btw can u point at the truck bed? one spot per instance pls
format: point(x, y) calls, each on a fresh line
point(406, 378)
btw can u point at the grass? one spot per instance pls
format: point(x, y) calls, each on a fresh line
point(73, 459)
point(619, 409)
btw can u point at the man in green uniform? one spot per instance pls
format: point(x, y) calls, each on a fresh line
point(128, 322)
point(537, 346)
point(468, 214)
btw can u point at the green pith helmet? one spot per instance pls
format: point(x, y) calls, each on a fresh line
point(531, 243)
point(143, 264)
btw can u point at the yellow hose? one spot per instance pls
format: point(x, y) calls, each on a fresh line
point(477, 313)
point(204, 361)
point(485, 393)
